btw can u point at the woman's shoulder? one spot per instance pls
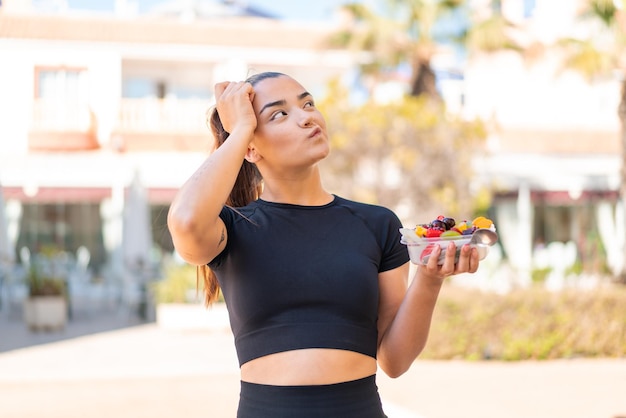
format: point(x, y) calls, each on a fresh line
point(235, 213)
point(370, 209)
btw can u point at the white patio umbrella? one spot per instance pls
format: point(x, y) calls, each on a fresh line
point(136, 230)
point(136, 248)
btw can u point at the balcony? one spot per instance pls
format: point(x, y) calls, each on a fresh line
point(162, 125)
point(62, 126)
point(142, 125)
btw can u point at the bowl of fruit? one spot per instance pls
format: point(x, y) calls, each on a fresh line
point(424, 238)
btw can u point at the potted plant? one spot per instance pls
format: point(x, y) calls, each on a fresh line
point(46, 306)
point(180, 304)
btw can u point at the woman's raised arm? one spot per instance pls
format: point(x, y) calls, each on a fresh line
point(197, 231)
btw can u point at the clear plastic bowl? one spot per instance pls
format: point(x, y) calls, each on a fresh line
point(421, 248)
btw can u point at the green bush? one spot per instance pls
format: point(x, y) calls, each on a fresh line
point(42, 279)
point(42, 285)
point(539, 275)
point(528, 324)
point(178, 285)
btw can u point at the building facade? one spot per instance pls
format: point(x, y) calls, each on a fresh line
point(91, 101)
point(554, 152)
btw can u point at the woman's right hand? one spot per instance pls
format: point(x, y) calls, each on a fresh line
point(234, 106)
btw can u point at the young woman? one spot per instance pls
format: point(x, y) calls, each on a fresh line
point(316, 285)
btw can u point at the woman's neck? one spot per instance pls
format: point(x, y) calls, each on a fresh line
point(296, 187)
point(305, 191)
point(299, 197)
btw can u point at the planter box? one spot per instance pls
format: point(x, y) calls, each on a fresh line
point(45, 313)
point(190, 316)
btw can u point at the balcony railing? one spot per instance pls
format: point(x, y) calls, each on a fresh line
point(173, 116)
point(142, 125)
point(61, 116)
point(62, 126)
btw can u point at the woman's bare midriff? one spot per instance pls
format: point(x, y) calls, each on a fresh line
point(311, 366)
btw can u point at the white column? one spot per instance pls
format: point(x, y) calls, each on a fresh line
point(111, 211)
point(524, 233)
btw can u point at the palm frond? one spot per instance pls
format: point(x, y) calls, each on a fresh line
point(584, 57)
point(605, 10)
point(491, 35)
point(358, 11)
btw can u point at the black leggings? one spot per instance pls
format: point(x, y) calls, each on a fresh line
point(354, 399)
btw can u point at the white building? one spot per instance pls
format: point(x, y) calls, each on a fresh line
point(554, 154)
point(88, 100)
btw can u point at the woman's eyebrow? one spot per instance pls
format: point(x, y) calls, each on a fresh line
point(284, 102)
point(271, 104)
point(303, 95)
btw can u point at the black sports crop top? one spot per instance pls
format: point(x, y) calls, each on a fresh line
point(298, 277)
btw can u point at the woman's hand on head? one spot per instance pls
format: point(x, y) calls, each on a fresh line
point(467, 263)
point(234, 106)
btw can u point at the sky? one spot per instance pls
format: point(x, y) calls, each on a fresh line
point(300, 9)
point(289, 9)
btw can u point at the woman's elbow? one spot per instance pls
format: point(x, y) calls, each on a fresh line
point(180, 225)
point(185, 238)
point(393, 370)
point(394, 367)
point(197, 243)
point(395, 360)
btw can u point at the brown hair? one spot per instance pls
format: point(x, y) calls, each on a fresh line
point(247, 188)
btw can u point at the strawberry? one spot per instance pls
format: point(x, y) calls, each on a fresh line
point(427, 251)
point(433, 233)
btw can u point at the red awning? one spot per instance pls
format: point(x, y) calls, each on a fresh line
point(79, 194)
point(561, 197)
point(57, 194)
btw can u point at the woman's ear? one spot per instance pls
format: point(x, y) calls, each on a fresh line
point(252, 156)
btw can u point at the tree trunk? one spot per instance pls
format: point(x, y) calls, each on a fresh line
point(622, 192)
point(424, 80)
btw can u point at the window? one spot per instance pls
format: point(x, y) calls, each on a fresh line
point(62, 84)
point(529, 8)
point(61, 100)
point(63, 225)
point(496, 7)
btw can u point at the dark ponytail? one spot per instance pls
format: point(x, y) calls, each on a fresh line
point(247, 188)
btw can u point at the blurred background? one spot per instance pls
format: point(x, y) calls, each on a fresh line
point(511, 109)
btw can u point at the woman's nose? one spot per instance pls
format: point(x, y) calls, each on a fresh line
point(306, 119)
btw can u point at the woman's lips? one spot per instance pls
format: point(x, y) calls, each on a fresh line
point(315, 132)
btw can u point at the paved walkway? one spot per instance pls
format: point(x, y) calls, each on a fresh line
point(145, 371)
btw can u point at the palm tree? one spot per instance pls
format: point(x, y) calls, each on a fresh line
point(409, 33)
point(405, 35)
point(428, 148)
point(603, 54)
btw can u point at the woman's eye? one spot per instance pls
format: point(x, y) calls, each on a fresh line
point(309, 104)
point(278, 114)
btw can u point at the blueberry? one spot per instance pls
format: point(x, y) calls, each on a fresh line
point(449, 222)
point(437, 224)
